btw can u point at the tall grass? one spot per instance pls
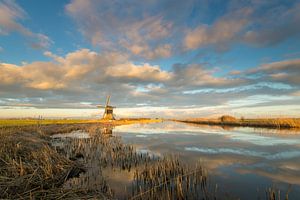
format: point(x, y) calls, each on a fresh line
point(30, 168)
point(259, 122)
point(170, 179)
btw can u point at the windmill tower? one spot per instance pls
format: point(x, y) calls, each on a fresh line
point(108, 110)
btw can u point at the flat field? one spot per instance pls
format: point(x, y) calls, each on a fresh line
point(24, 122)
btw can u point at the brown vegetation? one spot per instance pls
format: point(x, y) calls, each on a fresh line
point(170, 179)
point(227, 120)
point(30, 168)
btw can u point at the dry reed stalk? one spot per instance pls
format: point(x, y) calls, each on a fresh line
point(29, 168)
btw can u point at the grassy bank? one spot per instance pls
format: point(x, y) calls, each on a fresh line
point(26, 122)
point(259, 122)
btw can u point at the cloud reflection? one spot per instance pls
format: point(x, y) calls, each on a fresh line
point(269, 156)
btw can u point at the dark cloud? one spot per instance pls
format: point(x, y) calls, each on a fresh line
point(250, 22)
point(198, 76)
point(287, 71)
point(274, 25)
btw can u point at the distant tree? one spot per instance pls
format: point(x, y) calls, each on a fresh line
point(227, 118)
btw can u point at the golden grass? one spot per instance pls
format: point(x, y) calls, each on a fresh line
point(168, 178)
point(26, 122)
point(31, 169)
point(259, 122)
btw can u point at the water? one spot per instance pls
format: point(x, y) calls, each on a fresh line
point(243, 162)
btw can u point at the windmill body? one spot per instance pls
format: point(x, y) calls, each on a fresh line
point(108, 113)
point(108, 110)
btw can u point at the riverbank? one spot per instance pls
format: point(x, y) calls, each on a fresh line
point(256, 123)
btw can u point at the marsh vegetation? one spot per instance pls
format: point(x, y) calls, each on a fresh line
point(79, 161)
point(227, 120)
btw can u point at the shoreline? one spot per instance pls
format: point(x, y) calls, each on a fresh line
point(274, 123)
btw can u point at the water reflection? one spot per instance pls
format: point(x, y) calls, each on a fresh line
point(242, 161)
point(237, 157)
point(263, 137)
point(108, 162)
point(238, 151)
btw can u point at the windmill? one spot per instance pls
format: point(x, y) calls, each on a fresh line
point(108, 110)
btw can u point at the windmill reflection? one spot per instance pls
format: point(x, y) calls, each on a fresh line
point(107, 130)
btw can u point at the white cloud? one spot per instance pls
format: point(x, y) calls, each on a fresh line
point(80, 69)
point(221, 33)
point(144, 72)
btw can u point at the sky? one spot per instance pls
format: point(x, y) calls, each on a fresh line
point(156, 58)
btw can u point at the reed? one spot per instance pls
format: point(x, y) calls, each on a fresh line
point(259, 122)
point(272, 193)
point(31, 169)
point(168, 178)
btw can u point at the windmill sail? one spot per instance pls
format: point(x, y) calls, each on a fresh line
point(107, 100)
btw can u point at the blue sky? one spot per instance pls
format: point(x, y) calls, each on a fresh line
point(195, 57)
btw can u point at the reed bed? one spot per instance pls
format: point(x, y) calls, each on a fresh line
point(31, 169)
point(272, 193)
point(170, 179)
point(279, 123)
